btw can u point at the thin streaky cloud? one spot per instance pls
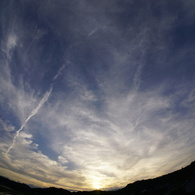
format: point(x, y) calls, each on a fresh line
point(36, 110)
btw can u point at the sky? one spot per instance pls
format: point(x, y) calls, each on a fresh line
point(96, 94)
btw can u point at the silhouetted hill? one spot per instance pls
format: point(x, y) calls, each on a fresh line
point(178, 182)
point(51, 191)
point(12, 187)
point(181, 182)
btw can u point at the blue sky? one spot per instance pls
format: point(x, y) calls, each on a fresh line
point(96, 94)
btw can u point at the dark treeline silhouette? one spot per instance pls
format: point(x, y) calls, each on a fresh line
point(178, 182)
point(181, 182)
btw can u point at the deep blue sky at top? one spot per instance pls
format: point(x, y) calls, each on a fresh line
point(53, 48)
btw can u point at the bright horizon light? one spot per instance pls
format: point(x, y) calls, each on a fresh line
point(97, 186)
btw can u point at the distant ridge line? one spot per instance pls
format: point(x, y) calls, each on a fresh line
point(180, 182)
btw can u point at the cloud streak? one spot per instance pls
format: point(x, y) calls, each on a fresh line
point(36, 110)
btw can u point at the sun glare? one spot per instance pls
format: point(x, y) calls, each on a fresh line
point(96, 186)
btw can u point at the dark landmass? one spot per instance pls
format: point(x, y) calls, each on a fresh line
point(180, 182)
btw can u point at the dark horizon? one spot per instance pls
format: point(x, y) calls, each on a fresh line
point(181, 181)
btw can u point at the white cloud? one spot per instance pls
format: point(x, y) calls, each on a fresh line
point(11, 42)
point(25, 159)
point(6, 126)
point(62, 160)
point(130, 129)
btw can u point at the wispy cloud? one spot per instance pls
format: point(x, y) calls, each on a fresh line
point(43, 100)
point(132, 131)
point(36, 109)
point(36, 165)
